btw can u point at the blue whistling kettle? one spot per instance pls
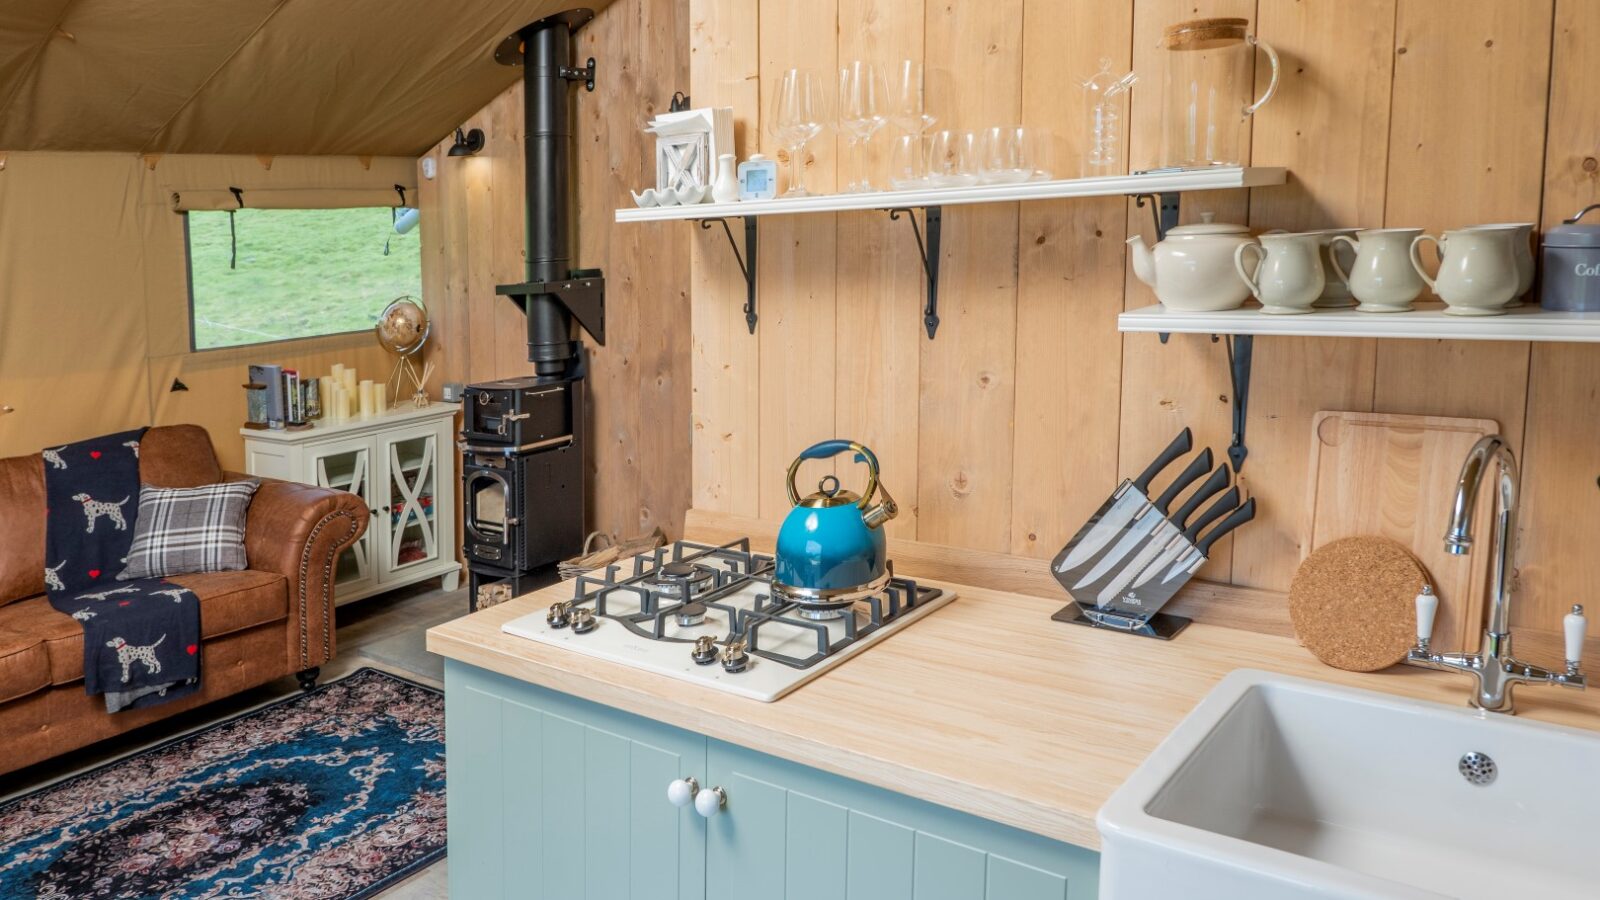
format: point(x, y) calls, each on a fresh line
point(831, 546)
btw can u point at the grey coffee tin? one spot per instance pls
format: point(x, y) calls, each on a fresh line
point(1571, 265)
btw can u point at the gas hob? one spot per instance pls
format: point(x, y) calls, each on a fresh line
point(707, 614)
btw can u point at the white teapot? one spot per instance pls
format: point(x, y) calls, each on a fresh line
point(1192, 269)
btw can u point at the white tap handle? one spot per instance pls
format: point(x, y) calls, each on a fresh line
point(1574, 625)
point(710, 801)
point(1427, 606)
point(682, 791)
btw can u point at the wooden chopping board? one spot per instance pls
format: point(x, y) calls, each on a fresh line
point(1395, 475)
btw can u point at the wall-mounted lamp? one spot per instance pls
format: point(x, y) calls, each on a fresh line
point(467, 143)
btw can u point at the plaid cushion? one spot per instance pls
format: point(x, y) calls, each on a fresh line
point(184, 530)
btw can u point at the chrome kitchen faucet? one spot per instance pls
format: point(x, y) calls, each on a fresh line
point(1495, 669)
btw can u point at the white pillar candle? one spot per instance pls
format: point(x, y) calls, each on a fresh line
point(350, 380)
point(344, 404)
point(325, 395)
point(364, 391)
point(380, 398)
point(337, 373)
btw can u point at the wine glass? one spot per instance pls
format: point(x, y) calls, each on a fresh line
point(799, 105)
point(861, 114)
point(906, 99)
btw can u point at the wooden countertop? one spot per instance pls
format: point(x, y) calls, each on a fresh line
point(985, 706)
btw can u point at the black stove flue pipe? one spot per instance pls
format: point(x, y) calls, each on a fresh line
point(554, 293)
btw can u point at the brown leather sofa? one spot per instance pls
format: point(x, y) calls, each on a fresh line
point(256, 625)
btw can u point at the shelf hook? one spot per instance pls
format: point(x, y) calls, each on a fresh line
point(748, 269)
point(934, 217)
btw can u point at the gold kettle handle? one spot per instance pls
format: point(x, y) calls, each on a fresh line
point(831, 448)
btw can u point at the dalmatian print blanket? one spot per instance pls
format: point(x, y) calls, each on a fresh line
point(141, 639)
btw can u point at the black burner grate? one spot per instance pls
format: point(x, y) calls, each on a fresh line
point(637, 601)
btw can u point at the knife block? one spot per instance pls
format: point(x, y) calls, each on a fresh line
point(1161, 626)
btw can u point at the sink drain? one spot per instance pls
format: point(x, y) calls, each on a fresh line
point(1478, 768)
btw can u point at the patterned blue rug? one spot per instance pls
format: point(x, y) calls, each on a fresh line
point(335, 794)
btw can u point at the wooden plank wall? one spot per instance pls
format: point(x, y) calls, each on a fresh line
point(473, 211)
point(1005, 432)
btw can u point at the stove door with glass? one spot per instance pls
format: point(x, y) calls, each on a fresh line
point(523, 511)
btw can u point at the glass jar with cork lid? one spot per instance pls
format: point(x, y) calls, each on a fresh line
point(1208, 70)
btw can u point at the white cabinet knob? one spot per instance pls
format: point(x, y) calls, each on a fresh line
point(682, 791)
point(1427, 607)
point(710, 801)
point(1573, 626)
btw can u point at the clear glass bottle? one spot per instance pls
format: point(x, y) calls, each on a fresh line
point(1105, 99)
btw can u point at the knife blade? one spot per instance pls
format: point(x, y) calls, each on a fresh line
point(1129, 501)
point(1153, 516)
point(1192, 561)
point(1181, 549)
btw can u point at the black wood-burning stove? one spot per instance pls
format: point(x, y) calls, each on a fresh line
point(523, 440)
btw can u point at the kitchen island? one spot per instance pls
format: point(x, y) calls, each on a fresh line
point(1005, 729)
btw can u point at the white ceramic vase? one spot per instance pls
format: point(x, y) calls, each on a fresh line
point(725, 187)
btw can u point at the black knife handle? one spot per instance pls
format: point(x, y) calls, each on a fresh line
point(1239, 516)
point(1228, 503)
point(1217, 481)
point(1180, 445)
point(1200, 466)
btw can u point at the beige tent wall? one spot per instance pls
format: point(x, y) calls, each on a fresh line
point(94, 317)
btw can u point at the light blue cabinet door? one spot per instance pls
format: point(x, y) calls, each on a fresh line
point(553, 798)
point(789, 832)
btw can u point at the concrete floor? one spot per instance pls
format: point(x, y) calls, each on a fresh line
point(384, 632)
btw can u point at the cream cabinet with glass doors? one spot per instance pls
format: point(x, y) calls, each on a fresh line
point(402, 463)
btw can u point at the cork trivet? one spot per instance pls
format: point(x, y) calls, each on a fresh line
point(1353, 603)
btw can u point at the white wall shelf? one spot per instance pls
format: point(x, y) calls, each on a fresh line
point(1428, 321)
point(1215, 179)
point(1160, 189)
point(1238, 329)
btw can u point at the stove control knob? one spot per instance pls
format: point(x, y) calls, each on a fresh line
point(583, 620)
point(705, 650)
point(710, 801)
point(734, 657)
point(559, 615)
point(681, 792)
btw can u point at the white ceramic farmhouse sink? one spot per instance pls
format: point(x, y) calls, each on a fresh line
point(1280, 788)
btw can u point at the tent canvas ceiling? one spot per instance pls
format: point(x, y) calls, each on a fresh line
point(278, 77)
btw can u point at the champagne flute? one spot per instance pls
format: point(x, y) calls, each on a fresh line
point(861, 114)
point(799, 105)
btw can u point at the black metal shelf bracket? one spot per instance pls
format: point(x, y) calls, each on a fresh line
point(933, 217)
point(746, 260)
point(1241, 355)
point(1241, 350)
point(1164, 209)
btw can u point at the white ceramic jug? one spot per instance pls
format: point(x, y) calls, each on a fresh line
point(1382, 277)
point(1288, 278)
point(1477, 270)
point(1522, 250)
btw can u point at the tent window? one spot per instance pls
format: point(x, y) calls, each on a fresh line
point(281, 274)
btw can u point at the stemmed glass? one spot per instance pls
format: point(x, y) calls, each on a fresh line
point(906, 99)
point(799, 105)
point(861, 114)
